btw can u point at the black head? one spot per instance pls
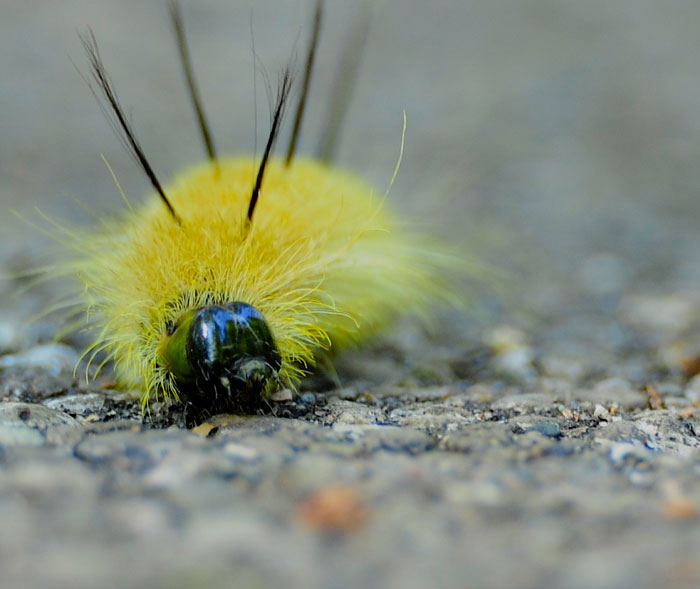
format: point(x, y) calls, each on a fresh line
point(223, 355)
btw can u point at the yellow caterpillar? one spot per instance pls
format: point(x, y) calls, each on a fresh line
point(240, 275)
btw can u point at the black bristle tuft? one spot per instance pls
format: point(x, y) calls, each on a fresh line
point(278, 114)
point(179, 27)
point(116, 116)
point(345, 81)
point(310, 56)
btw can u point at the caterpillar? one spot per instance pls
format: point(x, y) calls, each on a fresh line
point(243, 273)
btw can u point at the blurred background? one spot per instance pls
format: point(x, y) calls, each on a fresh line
point(555, 139)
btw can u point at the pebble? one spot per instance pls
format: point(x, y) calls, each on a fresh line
point(282, 396)
point(529, 402)
point(241, 452)
point(57, 359)
point(547, 428)
point(308, 398)
point(28, 424)
point(10, 336)
point(666, 314)
point(692, 389)
point(334, 508)
point(512, 351)
point(600, 412)
point(516, 362)
point(80, 404)
point(614, 391)
point(569, 368)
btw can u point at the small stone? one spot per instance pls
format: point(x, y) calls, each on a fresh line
point(282, 396)
point(676, 402)
point(570, 369)
point(350, 413)
point(308, 398)
point(669, 313)
point(351, 418)
point(613, 386)
point(504, 338)
point(600, 412)
point(205, 429)
point(549, 429)
point(335, 508)
point(81, 404)
point(530, 402)
point(241, 452)
point(620, 452)
point(27, 424)
point(512, 351)
point(55, 358)
point(616, 391)
point(680, 508)
point(654, 399)
point(677, 505)
point(692, 389)
point(517, 362)
point(10, 337)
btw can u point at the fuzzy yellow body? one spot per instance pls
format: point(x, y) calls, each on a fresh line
point(323, 260)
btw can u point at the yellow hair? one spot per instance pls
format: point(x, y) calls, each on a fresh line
point(323, 260)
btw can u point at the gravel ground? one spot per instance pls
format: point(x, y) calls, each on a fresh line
point(545, 437)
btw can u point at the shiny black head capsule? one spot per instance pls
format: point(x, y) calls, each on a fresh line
point(223, 353)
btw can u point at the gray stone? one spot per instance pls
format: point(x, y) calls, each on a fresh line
point(57, 359)
point(25, 424)
point(613, 392)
